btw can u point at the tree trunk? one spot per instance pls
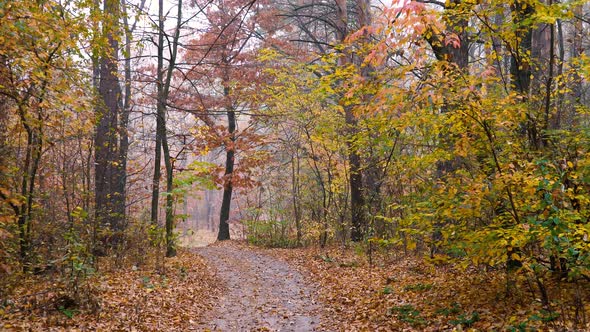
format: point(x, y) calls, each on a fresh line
point(295, 167)
point(160, 117)
point(357, 202)
point(458, 58)
point(164, 78)
point(170, 245)
point(229, 169)
point(109, 211)
point(520, 66)
point(30, 167)
point(210, 223)
point(357, 199)
point(3, 130)
point(358, 188)
point(577, 49)
point(126, 111)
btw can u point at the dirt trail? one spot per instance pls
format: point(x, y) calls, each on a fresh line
point(262, 293)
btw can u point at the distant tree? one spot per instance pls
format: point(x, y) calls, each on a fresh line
point(223, 60)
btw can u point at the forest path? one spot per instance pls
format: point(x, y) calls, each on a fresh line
point(262, 293)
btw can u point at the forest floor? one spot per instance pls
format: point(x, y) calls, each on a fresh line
point(394, 291)
point(168, 294)
point(232, 286)
point(341, 289)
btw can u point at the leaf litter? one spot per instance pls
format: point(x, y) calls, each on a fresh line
point(172, 298)
point(231, 286)
point(408, 293)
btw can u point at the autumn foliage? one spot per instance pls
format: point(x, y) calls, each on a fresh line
point(413, 148)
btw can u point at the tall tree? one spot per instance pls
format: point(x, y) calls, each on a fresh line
point(223, 59)
point(358, 187)
point(38, 79)
point(230, 156)
point(127, 103)
point(164, 76)
point(323, 25)
point(451, 49)
point(109, 176)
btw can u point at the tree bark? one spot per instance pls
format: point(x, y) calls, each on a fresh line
point(295, 168)
point(520, 66)
point(125, 112)
point(229, 167)
point(160, 117)
point(358, 200)
point(3, 129)
point(30, 167)
point(109, 211)
point(170, 245)
point(164, 79)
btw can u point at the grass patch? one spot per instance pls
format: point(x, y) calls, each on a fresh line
point(419, 287)
point(409, 314)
